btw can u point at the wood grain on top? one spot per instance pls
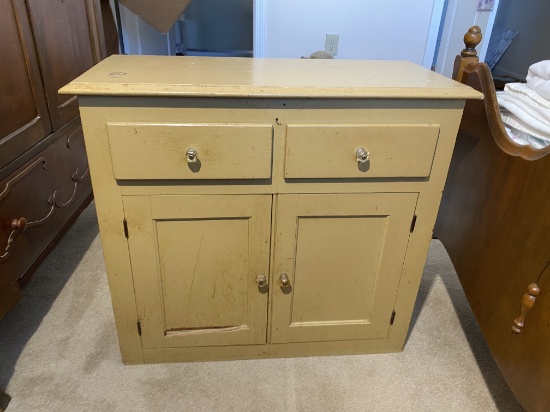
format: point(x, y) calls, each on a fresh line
point(245, 77)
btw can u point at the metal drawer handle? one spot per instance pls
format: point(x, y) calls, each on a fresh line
point(192, 155)
point(362, 155)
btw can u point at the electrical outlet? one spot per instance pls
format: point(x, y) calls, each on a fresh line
point(331, 44)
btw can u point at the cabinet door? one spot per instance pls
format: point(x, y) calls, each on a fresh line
point(343, 256)
point(195, 260)
point(66, 39)
point(24, 114)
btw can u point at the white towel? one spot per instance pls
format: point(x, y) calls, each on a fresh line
point(526, 99)
point(525, 110)
point(538, 78)
point(525, 139)
point(541, 86)
point(540, 69)
point(509, 119)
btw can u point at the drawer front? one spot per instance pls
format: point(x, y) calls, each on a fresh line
point(145, 151)
point(37, 200)
point(330, 151)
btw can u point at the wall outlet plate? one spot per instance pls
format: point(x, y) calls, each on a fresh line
point(331, 44)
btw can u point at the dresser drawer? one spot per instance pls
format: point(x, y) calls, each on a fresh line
point(37, 200)
point(147, 151)
point(331, 151)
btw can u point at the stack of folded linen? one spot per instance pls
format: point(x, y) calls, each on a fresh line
point(538, 78)
point(525, 108)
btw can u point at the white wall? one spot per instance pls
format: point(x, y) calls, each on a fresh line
point(368, 29)
point(532, 44)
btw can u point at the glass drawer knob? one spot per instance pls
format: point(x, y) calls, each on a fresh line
point(192, 155)
point(284, 280)
point(261, 280)
point(362, 155)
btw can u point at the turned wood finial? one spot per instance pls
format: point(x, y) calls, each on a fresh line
point(469, 55)
point(471, 39)
point(527, 303)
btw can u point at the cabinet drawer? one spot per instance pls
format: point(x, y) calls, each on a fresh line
point(145, 151)
point(329, 151)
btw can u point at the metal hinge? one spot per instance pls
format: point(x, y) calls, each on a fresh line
point(392, 317)
point(139, 327)
point(125, 224)
point(413, 223)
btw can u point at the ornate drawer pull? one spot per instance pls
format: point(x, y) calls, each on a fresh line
point(527, 303)
point(192, 155)
point(19, 225)
point(362, 155)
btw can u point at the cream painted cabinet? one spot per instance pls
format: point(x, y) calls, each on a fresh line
point(253, 208)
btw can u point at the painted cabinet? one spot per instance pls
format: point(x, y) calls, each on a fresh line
point(255, 208)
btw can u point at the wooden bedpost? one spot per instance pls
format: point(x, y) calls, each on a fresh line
point(469, 55)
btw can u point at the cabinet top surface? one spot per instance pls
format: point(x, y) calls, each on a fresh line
point(267, 78)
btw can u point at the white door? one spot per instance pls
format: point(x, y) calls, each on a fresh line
point(458, 18)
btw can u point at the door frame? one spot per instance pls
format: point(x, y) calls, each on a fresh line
point(258, 28)
point(454, 25)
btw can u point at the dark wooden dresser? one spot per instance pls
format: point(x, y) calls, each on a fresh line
point(44, 177)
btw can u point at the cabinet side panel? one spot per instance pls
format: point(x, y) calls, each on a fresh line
point(110, 215)
point(449, 113)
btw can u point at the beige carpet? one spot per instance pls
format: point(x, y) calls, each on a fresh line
point(58, 352)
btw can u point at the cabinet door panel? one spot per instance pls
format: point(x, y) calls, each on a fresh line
point(24, 119)
point(66, 49)
point(343, 255)
point(195, 261)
